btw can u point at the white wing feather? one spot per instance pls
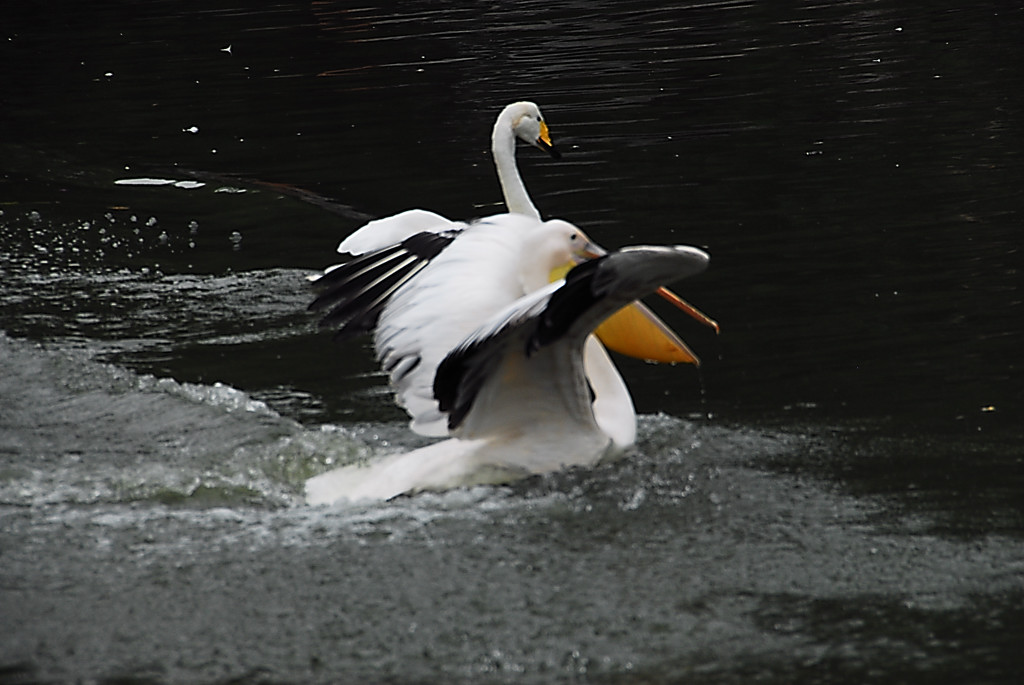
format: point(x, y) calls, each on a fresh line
point(390, 230)
point(472, 279)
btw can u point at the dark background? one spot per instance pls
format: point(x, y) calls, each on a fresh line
point(854, 169)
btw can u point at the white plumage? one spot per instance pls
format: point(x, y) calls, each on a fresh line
point(424, 285)
point(481, 347)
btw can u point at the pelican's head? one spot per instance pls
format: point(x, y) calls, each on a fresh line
point(528, 125)
point(552, 248)
point(571, 246)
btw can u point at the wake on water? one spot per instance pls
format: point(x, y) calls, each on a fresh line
point(79, 431)
point(152, 528)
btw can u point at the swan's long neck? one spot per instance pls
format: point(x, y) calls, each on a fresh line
point(503, 147)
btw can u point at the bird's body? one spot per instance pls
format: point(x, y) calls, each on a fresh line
point(480, 347)
point(424, 296)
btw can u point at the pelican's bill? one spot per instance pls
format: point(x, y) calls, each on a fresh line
point(637, 332)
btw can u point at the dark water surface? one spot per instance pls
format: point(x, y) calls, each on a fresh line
point(836, 496)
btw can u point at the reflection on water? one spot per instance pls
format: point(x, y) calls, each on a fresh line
point(842, 502)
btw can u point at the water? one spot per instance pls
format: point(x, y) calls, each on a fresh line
point(834, 497)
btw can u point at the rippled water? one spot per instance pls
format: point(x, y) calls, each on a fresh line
point(157, 533)
point(834, 497)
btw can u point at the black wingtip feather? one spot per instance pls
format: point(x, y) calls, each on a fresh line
point(583, 287)
point(356, 292)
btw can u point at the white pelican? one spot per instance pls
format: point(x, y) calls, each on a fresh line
point(480, 346)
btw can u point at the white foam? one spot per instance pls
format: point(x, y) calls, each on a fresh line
point(145, 181)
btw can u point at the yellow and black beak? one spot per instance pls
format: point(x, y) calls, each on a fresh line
point(544, 142)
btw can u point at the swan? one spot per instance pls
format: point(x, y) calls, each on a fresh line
point(524, 121)
point(517, 121)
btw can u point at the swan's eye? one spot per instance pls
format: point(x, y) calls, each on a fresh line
point(539, 118)
point(573, 236)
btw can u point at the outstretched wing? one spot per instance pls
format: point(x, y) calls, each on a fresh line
point(475, 277)
point(422, 297)
point(524, 367)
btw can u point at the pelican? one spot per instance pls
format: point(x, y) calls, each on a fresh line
point(481, 347)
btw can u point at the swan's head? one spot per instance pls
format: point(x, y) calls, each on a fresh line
point(528, 125)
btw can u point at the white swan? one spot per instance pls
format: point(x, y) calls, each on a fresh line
point(518, 121)
point(524, 121)
point(481, 347)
